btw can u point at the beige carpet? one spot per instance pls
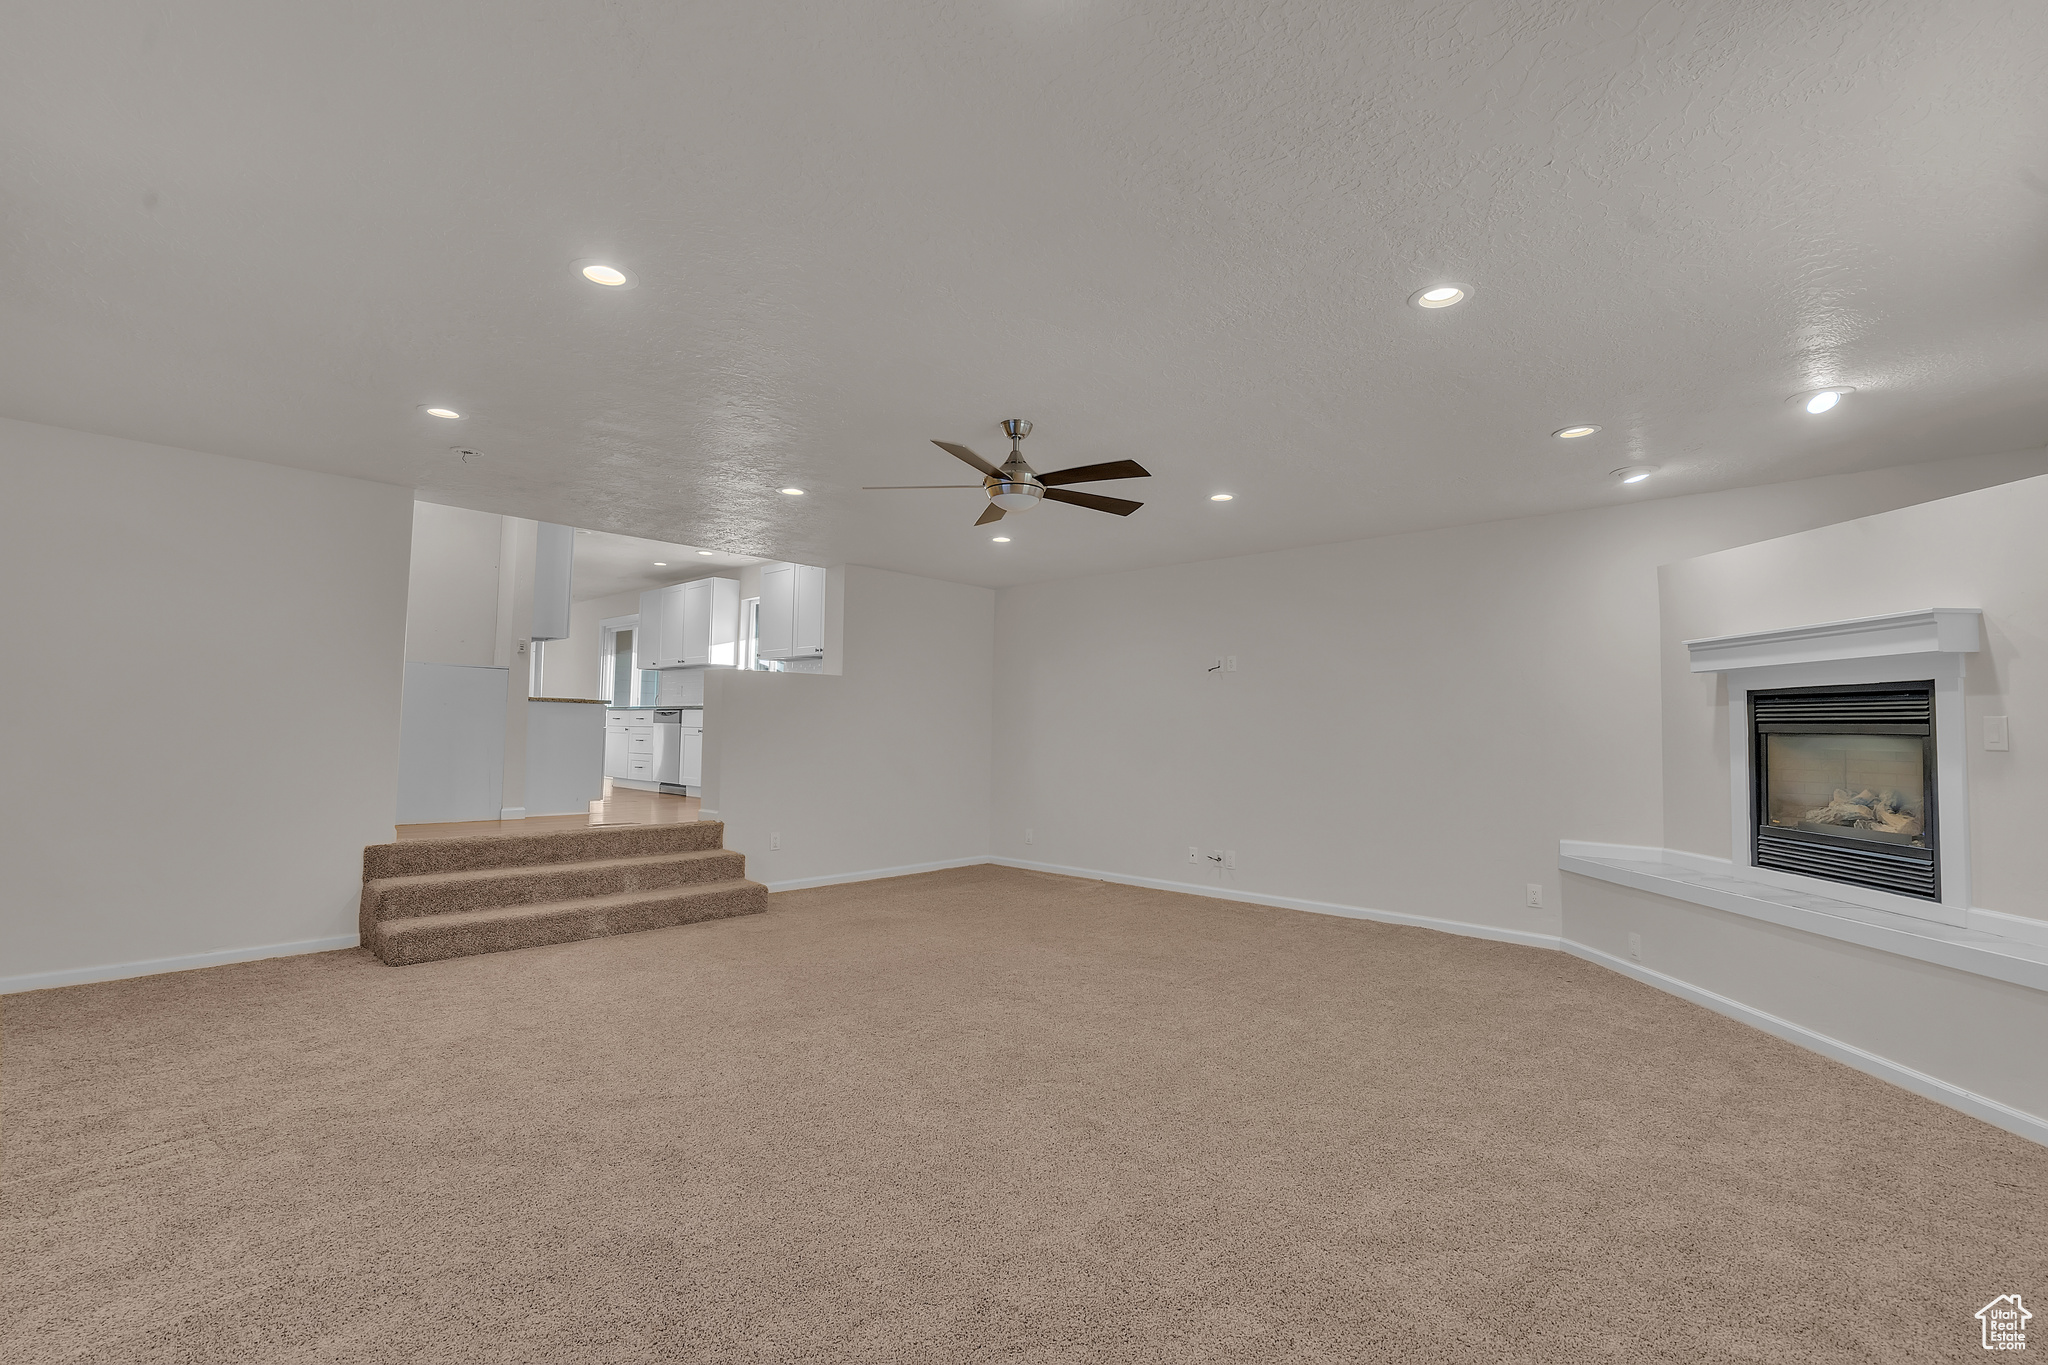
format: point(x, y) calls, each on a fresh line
point(980, 1115)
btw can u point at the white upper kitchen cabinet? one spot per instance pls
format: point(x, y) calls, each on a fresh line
point(792, 621)
point(711, 623)
point(690, 625)
point(647, 634)
point(673, 650)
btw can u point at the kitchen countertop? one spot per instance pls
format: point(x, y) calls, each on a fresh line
point(574, 701)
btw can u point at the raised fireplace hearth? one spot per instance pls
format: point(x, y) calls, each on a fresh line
point(1846, 768)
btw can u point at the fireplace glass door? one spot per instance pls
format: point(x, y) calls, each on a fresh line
point(1853, 786)
point(1844, 785)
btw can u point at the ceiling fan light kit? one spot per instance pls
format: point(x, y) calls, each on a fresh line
point(1015, 487)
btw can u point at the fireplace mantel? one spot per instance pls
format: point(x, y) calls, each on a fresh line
point(1937, 630)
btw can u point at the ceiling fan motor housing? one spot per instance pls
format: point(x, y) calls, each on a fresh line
point(1015, 495)
point(1015, 488)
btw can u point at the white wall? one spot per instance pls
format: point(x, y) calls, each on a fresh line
point(201, 720)
point(1881, 1012)
point(1415, 721)
point(452, 590)
point(1986, 549)
point(885, 765)
point(572, 664)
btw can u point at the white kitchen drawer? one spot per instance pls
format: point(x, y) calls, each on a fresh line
point(629, 717)
point(640, 769)
point(640, 741)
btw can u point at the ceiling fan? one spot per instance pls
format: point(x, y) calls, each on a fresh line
point(1015, 488)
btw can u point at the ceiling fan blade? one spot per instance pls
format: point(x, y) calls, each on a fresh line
point(1121, 507)
point(963, 453)
point(1088, 473)
point(899, 487)
point(994, 513)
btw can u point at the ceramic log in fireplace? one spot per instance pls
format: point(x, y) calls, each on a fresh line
point(1844, 785)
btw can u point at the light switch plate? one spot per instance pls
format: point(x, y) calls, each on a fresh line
point(1996, 735)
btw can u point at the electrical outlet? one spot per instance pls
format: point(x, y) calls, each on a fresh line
point(1230, 663)
point(1635, 947)
point(1996, 735)
point(1536, 895)
point(1030, 835)
point(1230, 858)
point(1194, 854)
point(775, 839)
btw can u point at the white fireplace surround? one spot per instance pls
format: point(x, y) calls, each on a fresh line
point(1874, 649)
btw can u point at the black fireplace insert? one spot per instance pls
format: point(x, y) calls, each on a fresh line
point(1843, 785)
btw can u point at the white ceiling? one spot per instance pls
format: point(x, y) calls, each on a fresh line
point(605, 564)
point(1173, 231)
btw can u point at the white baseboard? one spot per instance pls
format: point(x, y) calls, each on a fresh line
point(119, 971)
point(1448, 926)
point(511, 812)
point(873, 874)
point(2029, 1126)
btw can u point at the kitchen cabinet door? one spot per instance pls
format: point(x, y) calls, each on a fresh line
point(615, 753)
point(807, 627)
point(695, 619)
point(675, 627)
point(647, 636)
point(792, 612)
point(691, 769)
point(778, 610)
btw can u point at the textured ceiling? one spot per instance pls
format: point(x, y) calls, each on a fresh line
point(1172, 231)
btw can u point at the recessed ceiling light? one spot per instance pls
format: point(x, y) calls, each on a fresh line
point(1440, 295)
point(661, 564)
point(1573, 433)
point(1221, 497)
point(583, 533)
point(439, 412)
point(1817, 401)
point(705, 552)
point(794, 492)
point(1000, 540)
point(1635, 473)
point(607, 273)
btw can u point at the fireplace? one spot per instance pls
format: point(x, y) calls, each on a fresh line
point(1846, 761)
point(1844, 785)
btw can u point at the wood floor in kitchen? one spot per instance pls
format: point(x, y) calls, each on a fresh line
point(620, 806)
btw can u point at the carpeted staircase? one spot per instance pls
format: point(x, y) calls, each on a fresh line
point(426, 899)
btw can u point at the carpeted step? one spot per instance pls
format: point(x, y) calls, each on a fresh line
point(442, 893)
point(589, 843)
point(429, 938)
